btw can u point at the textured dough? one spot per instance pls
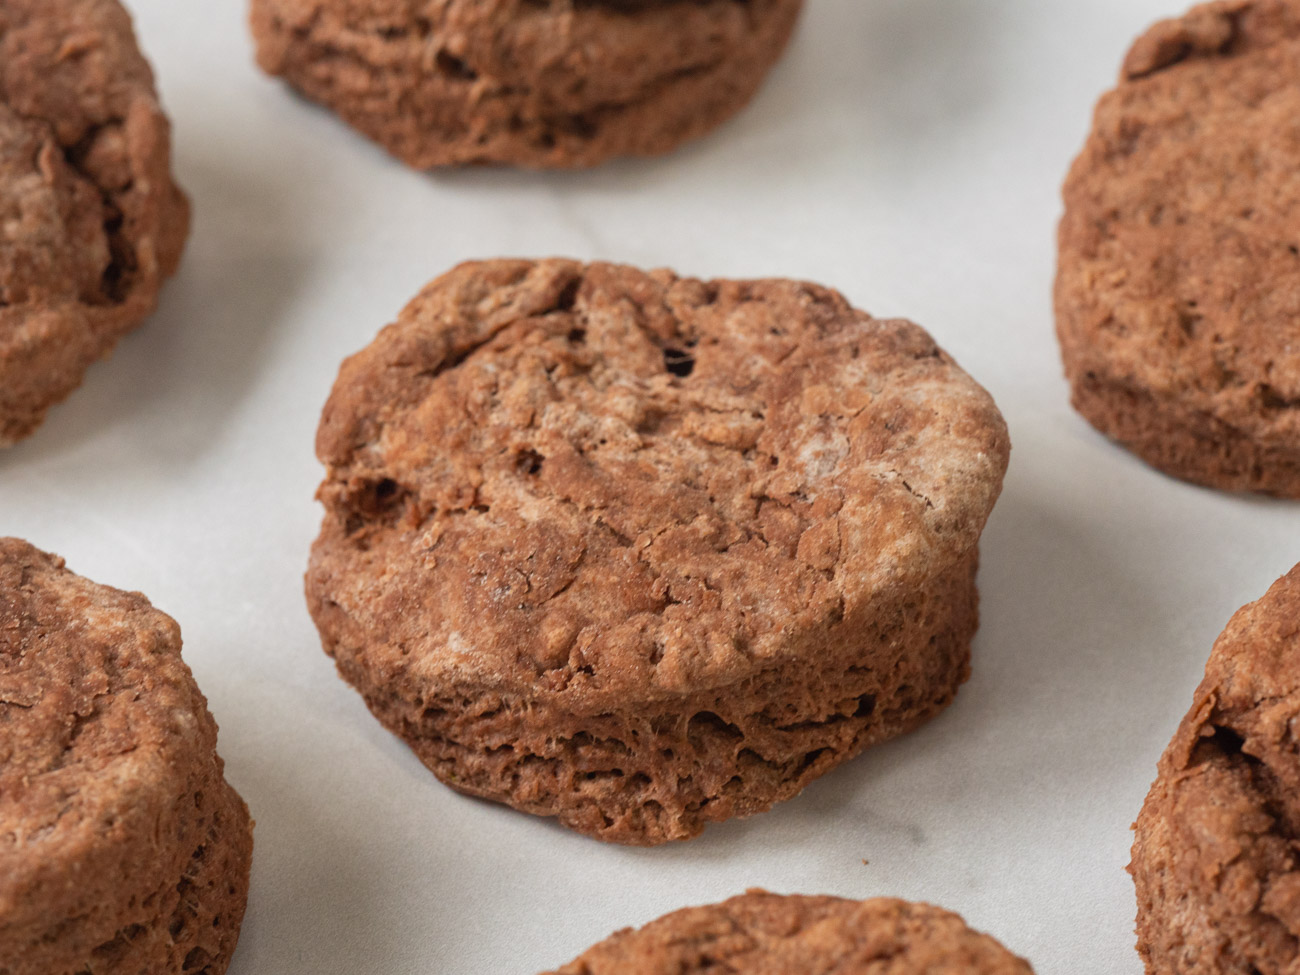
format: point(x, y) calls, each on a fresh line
point(1178, 293)
point(555, 83)
point(1214, 861)
point(90, 220)
point(766, 934)
point(642, 552)
point(122, 848)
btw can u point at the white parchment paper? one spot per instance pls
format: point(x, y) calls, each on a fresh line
point(907, 152)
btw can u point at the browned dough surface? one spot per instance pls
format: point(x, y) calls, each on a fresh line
point(122, 848)
point(643, 552)
point(1178, 291)
point(557, 83)
point(90, 220)
point(1215, 856)
point(767, 934)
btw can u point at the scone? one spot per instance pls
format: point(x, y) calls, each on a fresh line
point(90, 220)
point(642, 552)
point(1178, 291)
point(122, 849)
point(1215, 858)
point(767, 934)
point(562, 83)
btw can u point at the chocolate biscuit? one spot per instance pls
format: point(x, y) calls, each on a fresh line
point(1178, 290)
point(643, 552)
point(122, 848)
point(1215, 855)
point(90, 220)
point(562, 83)
point(767, 934)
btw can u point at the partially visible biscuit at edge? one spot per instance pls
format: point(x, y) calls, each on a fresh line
point(569, 83)
point(643, 552)
point(1178, 288)
point(122, 848)
point(91, 222)
point(1215, 860)
point(767, 934)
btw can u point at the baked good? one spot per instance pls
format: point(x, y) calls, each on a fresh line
point(561, 83)
point(766, 934)
point(1215, 858)
point(1178, 291)
point(90, 220)
point(122, 848)
point(642, 552)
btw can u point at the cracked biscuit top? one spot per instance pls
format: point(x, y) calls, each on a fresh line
point(598, 480)
point(1215, 856)
point(1180, 245)
point(768, 934)
point(90, 220)
point(101, 731)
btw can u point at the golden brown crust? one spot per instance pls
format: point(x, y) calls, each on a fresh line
point(641, 551)
point(766, 934)
point(92, 222)
point(1214, 859)
point(561, 83)
point(120, 841)
point(1178, 291)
